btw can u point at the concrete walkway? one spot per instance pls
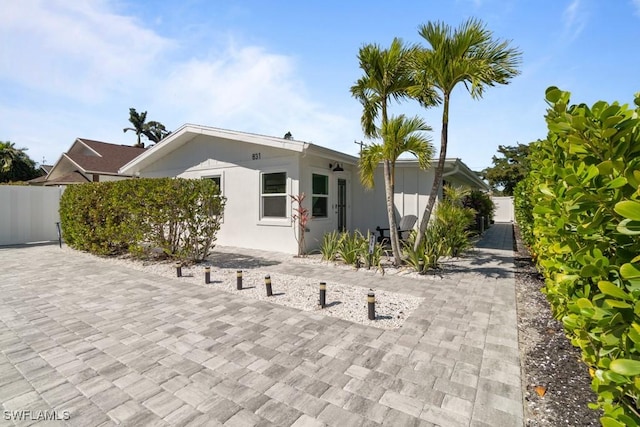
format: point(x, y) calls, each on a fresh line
point(111, 345)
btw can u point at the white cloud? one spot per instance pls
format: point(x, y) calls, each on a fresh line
point(248, 89)
point(77, 67)
point(636, 6)
point(575, 20)
point(80, 50)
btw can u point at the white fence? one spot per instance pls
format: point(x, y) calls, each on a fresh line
point(28, 214)
point(504, 209)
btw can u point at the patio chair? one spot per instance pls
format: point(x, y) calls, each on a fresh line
point(405, 226)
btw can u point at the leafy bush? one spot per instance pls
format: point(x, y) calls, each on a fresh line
point(179, 216)
point(330, 245)
point(454, 221)
point(481, 203)
point(352, 247)
point(446, 235)
point(580, 209)
point(429, 252)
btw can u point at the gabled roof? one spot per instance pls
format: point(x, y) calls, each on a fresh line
point(87, 157)
point(189, 131)
point(103, 157)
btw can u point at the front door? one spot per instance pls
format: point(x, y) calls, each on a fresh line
point(342, 205)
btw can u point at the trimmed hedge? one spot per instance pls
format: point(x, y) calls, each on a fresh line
point(579, 208)
point(179, 216)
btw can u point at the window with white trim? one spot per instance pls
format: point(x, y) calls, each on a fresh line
point(218, 180)
point(319, 195)
point(273, 195)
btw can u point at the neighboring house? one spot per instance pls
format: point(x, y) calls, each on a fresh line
point(258, 174)
point(44, 171)
point(89, 161)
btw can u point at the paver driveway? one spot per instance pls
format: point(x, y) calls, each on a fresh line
point(109, 345)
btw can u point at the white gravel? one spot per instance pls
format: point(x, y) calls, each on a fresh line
point(343, 301)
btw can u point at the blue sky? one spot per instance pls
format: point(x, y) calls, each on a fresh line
point(72, 69)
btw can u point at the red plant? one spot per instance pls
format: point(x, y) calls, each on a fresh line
point(301, 216)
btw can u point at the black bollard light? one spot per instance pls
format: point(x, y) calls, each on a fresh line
point(178, 269)
point(323, 294)
point(421, 266)
point(267, 282)
point(207, 275)
point(239, 280)
point(371, 305)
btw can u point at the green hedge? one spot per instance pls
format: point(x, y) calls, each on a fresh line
point(580, 210)
point(179, 216)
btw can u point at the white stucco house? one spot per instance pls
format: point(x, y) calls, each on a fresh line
point(257, 174)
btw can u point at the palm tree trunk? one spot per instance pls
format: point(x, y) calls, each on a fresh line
point(393, 226)
point(437, 179)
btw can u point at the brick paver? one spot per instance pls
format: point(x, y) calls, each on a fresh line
point(114, 345)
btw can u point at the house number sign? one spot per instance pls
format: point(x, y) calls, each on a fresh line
point(255, 156)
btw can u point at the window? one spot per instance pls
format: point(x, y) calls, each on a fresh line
point(218, 180)
point(274, 195)
point(320, 196)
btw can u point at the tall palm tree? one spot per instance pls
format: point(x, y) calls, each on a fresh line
point(15, 164)
point(138, 120)
point(155, 131)
point(399, 135)
point(387, 76)
point(8, 154)
point(469, 55)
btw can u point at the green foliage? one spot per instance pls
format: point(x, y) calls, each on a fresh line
point(507, 171)
point(15, 164)
point(330, 245)
point(481, 203)
point(352, 247)
point(454, 221)
point(154, 131)
point(579, 208)
point(431, 249)
point(447, 234)
point(179, 216)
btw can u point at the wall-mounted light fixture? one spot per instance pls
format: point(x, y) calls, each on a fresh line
point(336, 167)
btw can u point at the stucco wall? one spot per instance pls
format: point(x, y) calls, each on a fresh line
point(28, 213)
point(504, 209)
point(240, 166)
point(411, 196)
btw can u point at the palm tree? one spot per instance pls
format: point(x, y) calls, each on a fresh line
point(387, 76)
point(15, 164)
point(155, 131)
point(8, 154)
point(399, 135)
point(138, 121)
point(468, 55)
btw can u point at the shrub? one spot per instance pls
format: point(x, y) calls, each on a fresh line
point(481, 203)
point(179, 216)
point(330, 245)
point(352, 247)
point(580, 209)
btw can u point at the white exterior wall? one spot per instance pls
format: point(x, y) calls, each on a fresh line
point(205, 156)
point(504, 209)
point(319, 226)
point(28, 213)
point(412, 188)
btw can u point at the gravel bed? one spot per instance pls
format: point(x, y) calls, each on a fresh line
point(343, 301)
point(555, 382)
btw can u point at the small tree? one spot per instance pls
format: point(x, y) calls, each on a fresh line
point(154, 131)
point(301, 217)
point(15, 164)
point(507, 171)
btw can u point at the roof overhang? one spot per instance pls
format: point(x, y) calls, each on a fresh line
point(453, 167)
point(189, 131)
